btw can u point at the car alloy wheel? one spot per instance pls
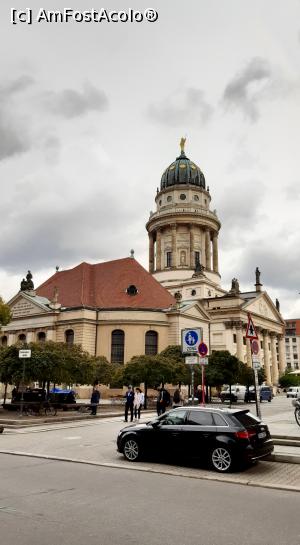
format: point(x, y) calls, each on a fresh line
point(131, 450)
point(221, 459)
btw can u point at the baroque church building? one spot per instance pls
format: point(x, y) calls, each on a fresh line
point(118, 309)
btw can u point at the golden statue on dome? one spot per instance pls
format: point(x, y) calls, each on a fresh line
point(182, 144)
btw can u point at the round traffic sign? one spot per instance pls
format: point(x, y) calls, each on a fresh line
point(255, 347)
point(191, 338)
point(202, 349)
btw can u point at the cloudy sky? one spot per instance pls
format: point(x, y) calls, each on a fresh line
point(92, 113)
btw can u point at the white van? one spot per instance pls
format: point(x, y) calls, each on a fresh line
point(238, 392)
point(293, 391)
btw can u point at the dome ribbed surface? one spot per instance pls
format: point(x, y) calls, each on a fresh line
point(182, 171)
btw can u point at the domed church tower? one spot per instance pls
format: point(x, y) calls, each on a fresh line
point(183, 231)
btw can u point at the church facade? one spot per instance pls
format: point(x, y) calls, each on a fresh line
point(118, 309)
point(183, 257)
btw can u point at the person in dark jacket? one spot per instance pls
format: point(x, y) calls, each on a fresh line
point(129, 400)
point(163, 400)
point(95, 399)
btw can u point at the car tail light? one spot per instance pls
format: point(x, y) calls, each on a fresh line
point(245, 434)
point(242, 434)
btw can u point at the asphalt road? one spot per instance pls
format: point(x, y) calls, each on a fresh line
point(46, 502)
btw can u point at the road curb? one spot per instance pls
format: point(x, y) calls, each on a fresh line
point(174, 473)
point(286, 458)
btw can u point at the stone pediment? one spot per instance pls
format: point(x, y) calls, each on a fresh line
point(263, 306)
point(195, 310)
point(24, 305)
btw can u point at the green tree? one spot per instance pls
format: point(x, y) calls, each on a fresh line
point(151, 370)
point(103, 372)
point(5, 313)
point(222, 368)
point(287, 379)
point(180, 371)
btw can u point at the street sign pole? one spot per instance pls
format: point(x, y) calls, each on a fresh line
point(23, 354)
point(257, 398)
point(192, 384)
point(203, 349)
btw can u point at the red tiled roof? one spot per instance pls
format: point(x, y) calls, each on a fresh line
point(104, 285)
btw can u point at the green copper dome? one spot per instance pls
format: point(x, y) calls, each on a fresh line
point(182, 171)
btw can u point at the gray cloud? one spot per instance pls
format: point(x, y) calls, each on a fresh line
point(70, 103)
point(187, 107)
point(12, 139)
point(15, 86)
point(244, 91)
point(240, 206)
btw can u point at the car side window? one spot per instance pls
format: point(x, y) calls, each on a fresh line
point(173, 418)
point(219, 420)
point(200, 418)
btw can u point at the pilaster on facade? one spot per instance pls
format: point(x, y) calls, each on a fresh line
point(174, 245)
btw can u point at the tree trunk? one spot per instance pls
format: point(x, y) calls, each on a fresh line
point(146, 400)
point(5, 393)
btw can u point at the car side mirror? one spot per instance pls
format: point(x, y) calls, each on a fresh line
point(155, 424)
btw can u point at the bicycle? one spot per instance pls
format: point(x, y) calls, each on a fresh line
point(296, 404)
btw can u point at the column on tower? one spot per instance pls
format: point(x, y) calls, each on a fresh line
point(266, 358)
point(215, 253)
point(192, 247)
point(207, 249)
point(151, 253)
point(174, 249)
point(158, 250)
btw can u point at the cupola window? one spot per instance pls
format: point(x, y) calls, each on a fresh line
point(196, 197)
point(193, 292)
point(169, 198)
point(182, 196)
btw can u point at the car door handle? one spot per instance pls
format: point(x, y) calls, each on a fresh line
point(175, 433)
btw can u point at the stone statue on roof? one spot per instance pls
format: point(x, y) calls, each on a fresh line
point(257, 275)
point(182, 144)
point(235, 287)
point(27, 285)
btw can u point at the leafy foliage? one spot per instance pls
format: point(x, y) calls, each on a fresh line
point(5, 313)
point(287, 379)
point(222, 368)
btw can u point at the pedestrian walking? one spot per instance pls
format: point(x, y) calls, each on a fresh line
point(129, 399)
point(163, 400)
point(178, 398)
point(138, 403)
point(95, 399)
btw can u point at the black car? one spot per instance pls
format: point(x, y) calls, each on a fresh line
point(223, 437)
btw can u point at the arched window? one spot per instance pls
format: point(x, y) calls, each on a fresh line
point(69, 334)
point(41, 337)
point(22, 338)
point(4, 341)
point(117, 346)
point(151, 339)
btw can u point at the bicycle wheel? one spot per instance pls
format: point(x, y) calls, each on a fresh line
point(297, 415)
point(50, 411)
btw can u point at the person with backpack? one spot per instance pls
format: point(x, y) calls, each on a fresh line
point(177, 398)
point(163, 401)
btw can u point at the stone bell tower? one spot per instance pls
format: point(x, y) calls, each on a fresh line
point(183, 231)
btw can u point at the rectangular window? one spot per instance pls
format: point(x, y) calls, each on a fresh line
point(261, 345)
point(244, 340)
point(197, 258)
point(234, 338)
point(169, 259)
point(295, 356)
